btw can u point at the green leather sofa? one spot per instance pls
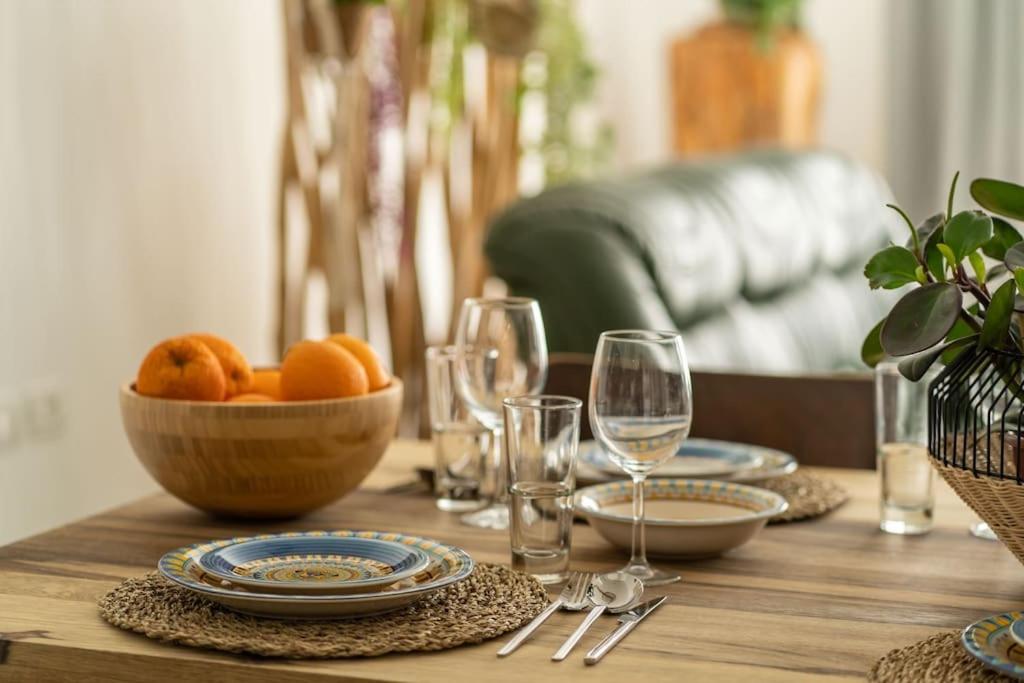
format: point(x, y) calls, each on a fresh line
point(756, 258)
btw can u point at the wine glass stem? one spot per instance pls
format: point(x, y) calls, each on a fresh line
point(639, 542)
point(501, 474)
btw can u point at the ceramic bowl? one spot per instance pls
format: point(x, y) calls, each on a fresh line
point(261, 460)
point(448, 565)
point(314, 562)
point(685, 518)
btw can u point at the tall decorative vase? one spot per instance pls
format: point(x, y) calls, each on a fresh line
point(733, 87)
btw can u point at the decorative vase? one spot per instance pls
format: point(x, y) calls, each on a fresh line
point(733, 87)
point(975, 430)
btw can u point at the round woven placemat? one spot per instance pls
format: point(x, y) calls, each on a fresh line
point(492, 601)
point(809, 495)
point(938, 658)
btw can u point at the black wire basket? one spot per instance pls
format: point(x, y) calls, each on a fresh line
point(975, 430)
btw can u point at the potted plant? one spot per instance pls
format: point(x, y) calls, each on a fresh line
point(749, 78)
point(966, 309)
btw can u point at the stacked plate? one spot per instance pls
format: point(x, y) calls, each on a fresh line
point(696, 459)
point(317, 574)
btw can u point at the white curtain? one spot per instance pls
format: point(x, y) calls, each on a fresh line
point(956, 99)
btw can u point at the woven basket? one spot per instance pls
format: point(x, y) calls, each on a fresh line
point(976, 437)
point(999, 503)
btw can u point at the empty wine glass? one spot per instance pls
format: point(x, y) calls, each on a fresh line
point(502, 353)
point(641, 406)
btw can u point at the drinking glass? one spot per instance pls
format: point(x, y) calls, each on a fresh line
point(461, 444)
point(542, 434)
point(502, 353)
point(906, 501)
point(641, 406)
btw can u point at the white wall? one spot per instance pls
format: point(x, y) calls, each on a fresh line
point(138, 146)
point(629, 40)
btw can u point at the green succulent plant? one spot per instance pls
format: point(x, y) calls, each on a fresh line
point(970, 270)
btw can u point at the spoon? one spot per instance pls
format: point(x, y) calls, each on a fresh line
point(616, 592)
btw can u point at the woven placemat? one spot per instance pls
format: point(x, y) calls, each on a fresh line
point(809, 495)
point(938, 658)
point(492, 601)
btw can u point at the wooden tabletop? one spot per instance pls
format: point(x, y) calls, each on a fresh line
point(815, 600)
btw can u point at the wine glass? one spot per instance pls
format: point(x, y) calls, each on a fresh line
point(502, 353)
point(641, 406)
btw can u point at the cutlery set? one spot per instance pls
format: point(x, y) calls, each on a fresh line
point(616, 593)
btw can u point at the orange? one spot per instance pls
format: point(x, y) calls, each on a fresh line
point(181, 368)
point(364, 353)
point(250, 398)
point(266, 382)
point(237, 372)
point(316, 370)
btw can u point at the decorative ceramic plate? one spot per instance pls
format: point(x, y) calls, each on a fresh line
point(448, 565)
point(685, 518)
point(313, 562)
point(697, 459)
point(991, 643)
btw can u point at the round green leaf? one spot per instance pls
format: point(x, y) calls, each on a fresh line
point(871, 351)
point(999, 196)
point(967, 231)
point(997, 316)
point(921, 319)
point(915, 367)
point(1014, 258)
point(891, 268)
point(1004, 236)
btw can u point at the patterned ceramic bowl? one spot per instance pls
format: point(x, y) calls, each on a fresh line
point(313, 562)
point(685, 518)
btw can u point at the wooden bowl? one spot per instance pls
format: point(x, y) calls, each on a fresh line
point(261, 460)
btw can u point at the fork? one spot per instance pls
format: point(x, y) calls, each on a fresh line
point(573, 598)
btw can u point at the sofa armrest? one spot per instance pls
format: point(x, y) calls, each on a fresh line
point(585, 284)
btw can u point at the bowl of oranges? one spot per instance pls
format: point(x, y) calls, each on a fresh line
point(265, 442)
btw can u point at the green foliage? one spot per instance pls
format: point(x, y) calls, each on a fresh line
point(949, 254)
point(891, 268)
point(569, 83)
point(966, 232)
point(997, 316)
point(1004, 236)
point(765, 17)
point(871, 351)
point(921, 319)
point(999, 196)
point(915, 367)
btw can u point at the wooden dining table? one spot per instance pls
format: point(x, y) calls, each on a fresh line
point(821, 599)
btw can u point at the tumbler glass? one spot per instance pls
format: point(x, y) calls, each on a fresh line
point(907, 501)
point(542, 434)
point(462, 446)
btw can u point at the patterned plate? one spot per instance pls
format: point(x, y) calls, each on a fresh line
point(696, 459)
point(448, 565)
point(313, 562)
point(991, 643)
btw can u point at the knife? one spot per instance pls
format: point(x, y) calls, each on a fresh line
point(627, 622)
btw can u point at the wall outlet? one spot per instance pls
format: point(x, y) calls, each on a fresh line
point(10, 408)
point(43, 412)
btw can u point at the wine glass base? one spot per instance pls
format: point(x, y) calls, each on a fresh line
point(651, 576)
point(493, 517)
point(982, 530)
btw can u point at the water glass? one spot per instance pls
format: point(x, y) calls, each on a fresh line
point(542, 434)
point(641, 406)
point(462, 446)
point(906, 501)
